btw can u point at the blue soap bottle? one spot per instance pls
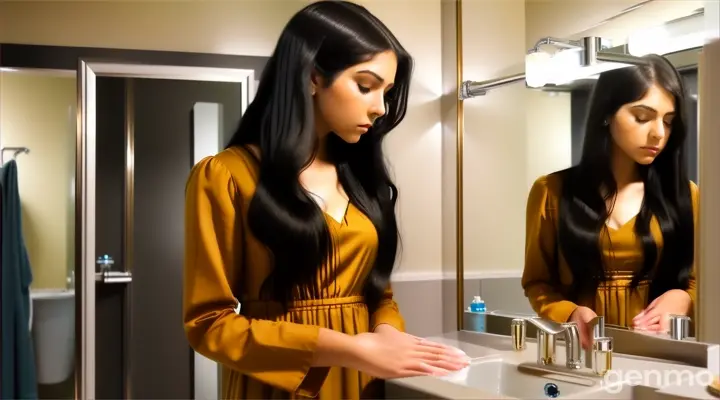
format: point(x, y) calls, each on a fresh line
point(478, 306)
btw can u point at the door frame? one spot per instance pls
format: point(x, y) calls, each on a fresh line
point(85, 271)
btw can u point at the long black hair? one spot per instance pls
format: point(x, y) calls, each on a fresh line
point(583, 207)
point(325, 37)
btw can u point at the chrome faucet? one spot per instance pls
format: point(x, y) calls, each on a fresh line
point(547, 333)
point(598, 326)
point(598, 331)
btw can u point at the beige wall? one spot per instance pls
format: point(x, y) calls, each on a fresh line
point(251, 27)
point(247, 27)
point(37, 111)
point(548, 133)
point(494, 169)
point(414, 149)
point(449, 122)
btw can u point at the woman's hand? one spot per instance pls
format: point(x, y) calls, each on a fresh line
point(388, 353)
point(582, 316)
point(656, 316)
point(387, 329)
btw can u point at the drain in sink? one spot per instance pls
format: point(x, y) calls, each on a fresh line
point(551, 390)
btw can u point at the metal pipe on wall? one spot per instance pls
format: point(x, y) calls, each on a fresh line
point(471, 89)
point(594, 52)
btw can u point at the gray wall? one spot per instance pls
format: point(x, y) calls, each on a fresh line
point(429, 306)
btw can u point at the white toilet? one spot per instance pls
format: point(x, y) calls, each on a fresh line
point(53, 331)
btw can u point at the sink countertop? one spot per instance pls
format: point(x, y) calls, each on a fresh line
point(479, 346)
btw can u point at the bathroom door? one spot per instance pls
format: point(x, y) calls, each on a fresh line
point(158, 150)
point(164, 148)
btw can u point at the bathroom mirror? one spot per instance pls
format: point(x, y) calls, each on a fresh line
point(37, 131)
point(540, 130)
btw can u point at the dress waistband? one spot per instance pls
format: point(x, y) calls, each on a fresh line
point(622, 281)
point(310, 303)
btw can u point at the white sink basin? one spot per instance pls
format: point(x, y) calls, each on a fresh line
point(500, 378)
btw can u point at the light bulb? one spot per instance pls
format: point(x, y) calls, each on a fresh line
point(564, 66)
point(648, 41)
point(536, 69)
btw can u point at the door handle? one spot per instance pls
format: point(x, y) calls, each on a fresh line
point(114, 277)
point(106, 275)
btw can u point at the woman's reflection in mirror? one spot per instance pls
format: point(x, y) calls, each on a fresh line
point(614, 235)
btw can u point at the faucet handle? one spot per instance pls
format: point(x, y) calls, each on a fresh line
point(547, 326)
point(679, 327)
point(546, 347)
point(518, 332)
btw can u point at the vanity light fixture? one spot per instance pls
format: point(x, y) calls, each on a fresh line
point(573, 59)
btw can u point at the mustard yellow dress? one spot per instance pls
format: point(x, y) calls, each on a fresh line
point(266, 353)
point(621, 250)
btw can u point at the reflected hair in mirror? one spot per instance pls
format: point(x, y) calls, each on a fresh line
point(583, 210)
point(325, 37)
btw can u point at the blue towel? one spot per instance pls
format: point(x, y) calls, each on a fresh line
point(18, 356)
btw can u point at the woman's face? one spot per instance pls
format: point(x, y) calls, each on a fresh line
point(642, 129)
point(352, 103)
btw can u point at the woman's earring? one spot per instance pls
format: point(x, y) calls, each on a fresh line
point(606, 123)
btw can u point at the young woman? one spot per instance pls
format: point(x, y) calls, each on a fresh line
point(293, 225)
point(614, 235)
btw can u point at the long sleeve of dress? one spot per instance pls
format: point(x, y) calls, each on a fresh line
point(387, 313)
point(276, 353)
point(545, 298)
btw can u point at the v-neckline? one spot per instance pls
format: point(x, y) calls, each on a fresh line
point(621, 227)
point(344, 216)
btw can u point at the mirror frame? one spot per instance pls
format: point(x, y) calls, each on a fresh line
point(708, 230)
point(459, 143)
